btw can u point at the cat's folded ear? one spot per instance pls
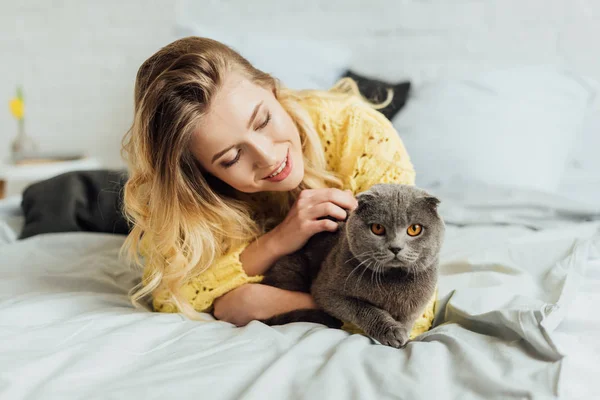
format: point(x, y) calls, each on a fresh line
point(432, 202)
point(364, 197)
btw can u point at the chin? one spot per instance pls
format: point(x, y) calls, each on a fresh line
point(294, 183)
point(398, 264)
point(297, 174)
point(289, 184)
point(395, 264)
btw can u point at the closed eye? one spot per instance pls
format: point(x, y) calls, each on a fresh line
point(265, 122)
point(237, 156)
point(230, 163)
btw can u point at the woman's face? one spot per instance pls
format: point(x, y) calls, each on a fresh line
point(248, 140)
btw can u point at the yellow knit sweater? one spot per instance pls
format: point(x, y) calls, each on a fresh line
point(362, 146)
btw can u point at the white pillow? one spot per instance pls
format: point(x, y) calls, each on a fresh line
point(297, 63)
point(581, 179)
point(509, 127)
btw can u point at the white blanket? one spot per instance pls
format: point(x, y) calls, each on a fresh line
point(515, 320)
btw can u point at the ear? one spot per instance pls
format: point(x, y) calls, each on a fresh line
point(432, 201)
point(364, 197)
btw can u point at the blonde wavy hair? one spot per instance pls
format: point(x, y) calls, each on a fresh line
point(182, 219)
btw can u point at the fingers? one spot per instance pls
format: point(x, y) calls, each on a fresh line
point(326, 209)
point(325, 225)
point(342, 198)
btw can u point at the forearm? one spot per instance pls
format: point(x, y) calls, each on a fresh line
point(258, 302)
point(283, 301)
point(260, 255)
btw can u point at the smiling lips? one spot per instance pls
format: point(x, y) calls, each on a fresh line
point(278, 170)
point(282, 171)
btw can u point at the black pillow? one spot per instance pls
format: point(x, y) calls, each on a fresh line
point(87, 201)
point(376, 91)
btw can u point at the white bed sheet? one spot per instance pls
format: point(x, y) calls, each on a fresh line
point(67, 329)
point(11, 219)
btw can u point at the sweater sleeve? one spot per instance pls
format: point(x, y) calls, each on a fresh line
point(373, 151)
point(200, 291)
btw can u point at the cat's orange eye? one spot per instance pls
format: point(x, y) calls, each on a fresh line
point(414, 230)
point(377, 229)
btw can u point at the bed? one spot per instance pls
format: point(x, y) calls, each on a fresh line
point(515, 319)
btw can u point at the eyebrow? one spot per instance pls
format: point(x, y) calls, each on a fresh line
point(254, 114)
point(252, 117)
point(219, 154)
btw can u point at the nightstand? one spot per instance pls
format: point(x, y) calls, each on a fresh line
point(15, 178)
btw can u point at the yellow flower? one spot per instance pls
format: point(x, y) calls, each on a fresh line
point(17, 108)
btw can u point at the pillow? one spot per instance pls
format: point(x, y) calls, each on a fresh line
point(88, 201)
point(377, 91)
point(509, 127)
point(298, 63)
point(581, 179)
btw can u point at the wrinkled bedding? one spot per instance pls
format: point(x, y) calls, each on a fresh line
point(515, 319)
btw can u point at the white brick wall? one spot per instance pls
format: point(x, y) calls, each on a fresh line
point(421, 39)
point(77, 59)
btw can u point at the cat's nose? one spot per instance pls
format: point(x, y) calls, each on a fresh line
point(395, 250)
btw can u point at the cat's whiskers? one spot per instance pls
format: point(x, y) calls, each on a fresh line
point(375, 272)
point(366, 253)
point(378, 275)
point(410, 268)
point(383, 257)
point(357, 267)
point(372, 272)
point(361, 275)
point(410, 257)
point(417, 269)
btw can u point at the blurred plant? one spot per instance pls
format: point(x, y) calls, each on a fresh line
point(17, 108)
point(22, 144)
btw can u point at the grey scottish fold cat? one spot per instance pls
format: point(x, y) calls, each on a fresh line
point(377, 271)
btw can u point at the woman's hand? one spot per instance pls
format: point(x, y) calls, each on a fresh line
point(253, 301)
point(302, 221)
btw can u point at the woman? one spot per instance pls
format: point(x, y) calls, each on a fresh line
point(229, 171)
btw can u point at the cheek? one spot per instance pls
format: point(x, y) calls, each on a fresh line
point(369, 241)
point(238, 176)
point(283, 127)
point(414, 245)
point(244, 175)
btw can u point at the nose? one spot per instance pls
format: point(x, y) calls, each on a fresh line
point(395, 250)
point(265, 151)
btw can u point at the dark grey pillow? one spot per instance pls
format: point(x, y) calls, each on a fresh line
point(376, 91)
point(89, 201)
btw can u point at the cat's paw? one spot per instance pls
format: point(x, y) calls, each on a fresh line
point(393, 335)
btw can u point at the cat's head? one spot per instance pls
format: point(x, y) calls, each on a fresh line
point(395, 226)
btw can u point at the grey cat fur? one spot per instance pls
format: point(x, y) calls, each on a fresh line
point(331, 266)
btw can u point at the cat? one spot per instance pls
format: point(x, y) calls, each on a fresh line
point(394, 235)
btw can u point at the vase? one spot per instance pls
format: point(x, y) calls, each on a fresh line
point(23, 145)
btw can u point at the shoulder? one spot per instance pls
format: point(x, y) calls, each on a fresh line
point(327, 114)
point(341, 115)
point(365, 128)
point(358, 140)
point(369, 149)
point(335, 107)
point(322, 106)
